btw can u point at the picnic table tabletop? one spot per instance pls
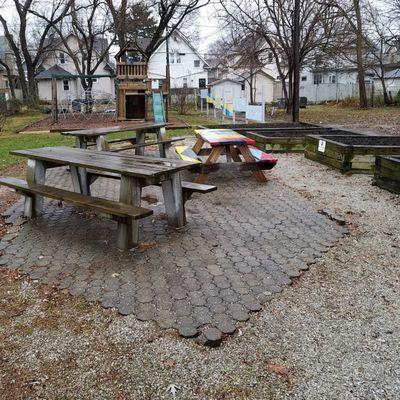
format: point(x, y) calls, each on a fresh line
point(113, 129)
point(223, 137)
point(131, 165)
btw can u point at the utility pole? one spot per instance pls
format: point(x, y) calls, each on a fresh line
point(296, 62)
point(167, 75)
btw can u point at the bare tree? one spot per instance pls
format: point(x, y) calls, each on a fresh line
point(169, 15)
point(28, 37)
point(380, 39)
point(241, 54)
point(273, 19)
point(85, 37)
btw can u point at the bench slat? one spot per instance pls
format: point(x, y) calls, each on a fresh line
point(93, 203)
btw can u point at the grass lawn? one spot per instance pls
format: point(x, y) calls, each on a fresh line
point(11, 140)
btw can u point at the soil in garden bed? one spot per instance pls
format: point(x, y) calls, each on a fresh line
point(364, 140)
point(299, 134)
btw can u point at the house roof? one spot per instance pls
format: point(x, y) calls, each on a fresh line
point(395, 74)
point(217, 82)
point(54, 72)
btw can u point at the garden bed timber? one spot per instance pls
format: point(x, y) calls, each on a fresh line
point(289, 141)
point(251, 126)
point(350, 154)
point(387, 173)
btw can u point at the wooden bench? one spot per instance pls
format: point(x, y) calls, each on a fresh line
point(161, 143)
point(188, 188)
point(262, 161)
point(112, 209)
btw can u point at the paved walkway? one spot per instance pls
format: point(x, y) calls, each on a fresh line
point(242, 244)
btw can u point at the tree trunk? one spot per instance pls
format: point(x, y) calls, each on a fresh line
point(290, 94)
point(10, 80)
point(360, 61)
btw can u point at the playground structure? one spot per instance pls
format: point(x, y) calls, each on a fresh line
point(82, 104)
point(134, 88)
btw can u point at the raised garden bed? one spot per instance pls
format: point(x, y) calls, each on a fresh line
point(256, 125)
point(354, 154)
point(387, 173)
point(284, 141)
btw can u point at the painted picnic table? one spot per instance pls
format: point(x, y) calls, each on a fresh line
point(234, 146)
point(83, 137)
point(135, 173)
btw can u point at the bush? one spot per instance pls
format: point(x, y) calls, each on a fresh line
point(349, 101)
point(397, 98)
point(2, 120)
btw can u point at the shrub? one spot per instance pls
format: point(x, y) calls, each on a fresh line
point(397, 98)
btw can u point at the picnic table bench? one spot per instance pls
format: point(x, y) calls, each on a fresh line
point(135, 172)
point(98, 137)
point(240, 152)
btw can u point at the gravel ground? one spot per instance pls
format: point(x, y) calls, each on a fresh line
point(334, 334)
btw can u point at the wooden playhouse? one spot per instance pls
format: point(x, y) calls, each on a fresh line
point(134, 88)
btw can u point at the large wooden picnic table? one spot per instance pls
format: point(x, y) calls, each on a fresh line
point(83, 137)
point(135, 173)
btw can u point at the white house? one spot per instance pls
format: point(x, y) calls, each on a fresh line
point(188, 68)
point(266, 88)
point(59, 65)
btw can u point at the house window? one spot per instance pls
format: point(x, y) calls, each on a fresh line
point(304, 78)
point(185, 82)
point(66, 84)
point(202, 83)
point(317, 79)
point(178, 58)
point(197, 63)
point(94, 80)
point(171, 58)
point(270, 57)
point(62, 58)
point(332, 78)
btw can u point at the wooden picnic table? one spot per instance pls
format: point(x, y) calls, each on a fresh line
point(84, 137)
point(233, 145)
point(135, 172)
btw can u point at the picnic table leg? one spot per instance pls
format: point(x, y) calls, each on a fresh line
point(228, 154)
point(198, 145)
point(212, 159)
point(140, 139)
point(80, 180)
point(128, 230)
point(101, 143)
point(173, 200)
point(235, 154)
point(35, 173)
point(248, 157)
point(80, 142)
point(162, 147)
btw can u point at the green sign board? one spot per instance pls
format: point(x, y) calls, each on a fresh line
point(158, 108)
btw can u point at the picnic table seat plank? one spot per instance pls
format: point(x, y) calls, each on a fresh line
point(146, 144)
point(104, 206)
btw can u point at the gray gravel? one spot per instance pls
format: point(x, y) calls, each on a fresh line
point(334, 334)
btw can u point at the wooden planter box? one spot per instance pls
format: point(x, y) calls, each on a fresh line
point(289, 141)
point(350, 154)
point(255, 125)
point(387, 173)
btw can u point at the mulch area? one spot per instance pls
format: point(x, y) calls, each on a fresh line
point(82, 122)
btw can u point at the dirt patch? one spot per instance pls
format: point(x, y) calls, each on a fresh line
point(80, 122)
